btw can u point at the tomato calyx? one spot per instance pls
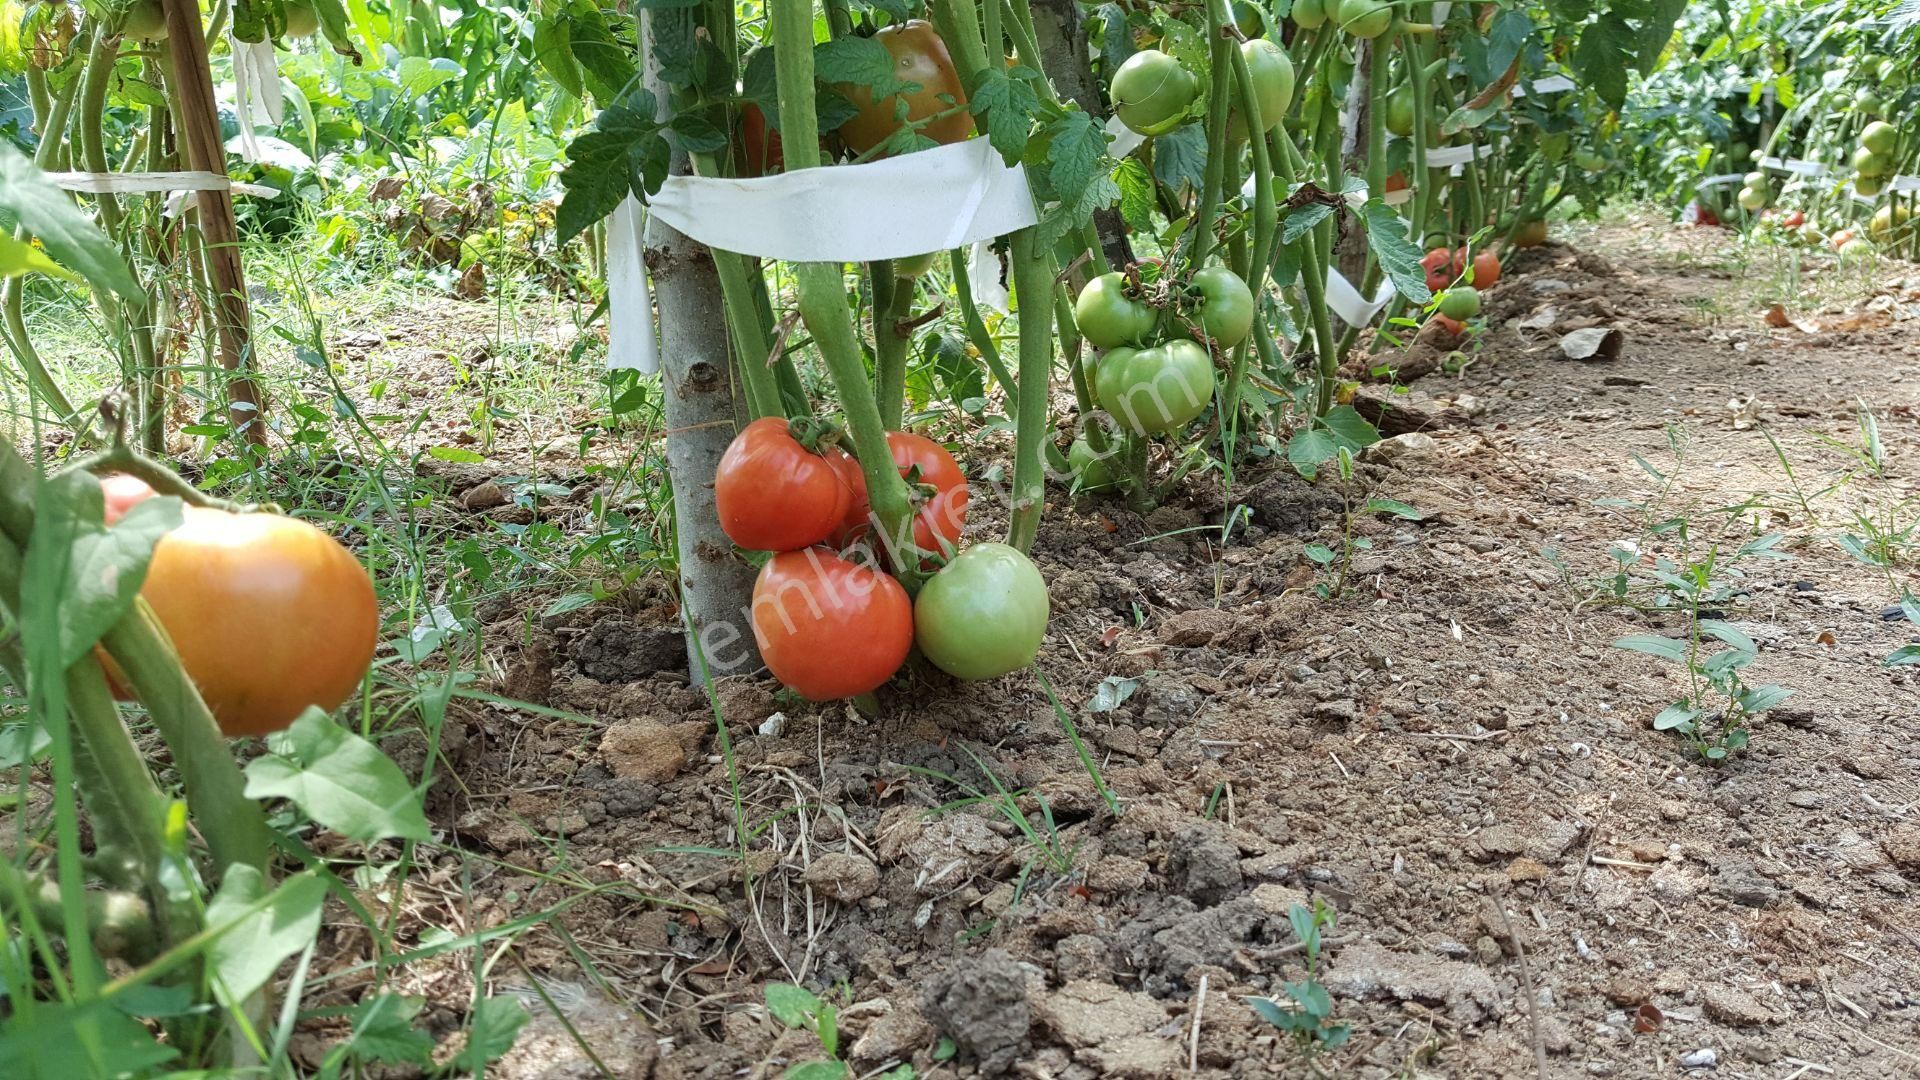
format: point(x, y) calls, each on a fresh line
point(816, 434)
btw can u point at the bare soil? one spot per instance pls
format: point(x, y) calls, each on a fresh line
point(1529, 879)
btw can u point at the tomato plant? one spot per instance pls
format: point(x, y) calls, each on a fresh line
point(984, 614)
point(1156, 389)
point(919, 57)
point(829, 628)
point(774, 494)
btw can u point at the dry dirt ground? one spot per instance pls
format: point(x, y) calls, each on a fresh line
point(1528, 878)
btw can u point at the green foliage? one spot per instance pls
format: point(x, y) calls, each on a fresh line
point(1307, 1017)
point(339, 779)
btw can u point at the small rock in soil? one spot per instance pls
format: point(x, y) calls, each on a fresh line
point(1088, 1013)
point(1902, 845)
point(623, 1043)
point(1192, 629)
point(1704, 1058)
point(616, 650)
point(1736, 1007)
point(1368, 971)
point(982, 1006)
point(1400, 448)
point(844, 876)
point(908, 838)
point(1205, 864)
point(1626, 990)
point(1738, 881)
point(485, 496)
point(892, 1037)
point(643, 750)
point(1117, 874)
point(1082, 956)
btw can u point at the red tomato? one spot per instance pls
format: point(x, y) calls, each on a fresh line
point(759, 143)
point(919, 57)
point(1793, 219)
point(1486, 267)
point(942, 515)
point(773, 494)
point(1449, 328)
point(1397, 182)
point(1438, 280)
point(1437, 259)
point(829, 628)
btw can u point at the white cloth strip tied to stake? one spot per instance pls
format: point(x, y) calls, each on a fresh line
point(947, 197)
point(181, 186)
point(256, 86)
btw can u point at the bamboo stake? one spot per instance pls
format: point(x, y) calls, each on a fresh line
point(200, 132)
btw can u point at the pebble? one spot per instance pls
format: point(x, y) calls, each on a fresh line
point(1704, 1058)
point(484, 497)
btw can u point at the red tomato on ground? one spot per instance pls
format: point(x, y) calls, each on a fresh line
point(1449, 328)
point(1486, 267)
point(773, 494)
point(829, 628)
point(943, 514)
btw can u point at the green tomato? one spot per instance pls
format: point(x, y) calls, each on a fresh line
point(302, 20)
point(1151, 92)
point(1155, 390)
point(1094, 471)
point(1399, 114)
point(1460, 303)
point(1225, 313)
point(1856, 250)
point(1589, 160)
point(1868, 163)
point(983, 615)
point(1365, 18)
point(146, 21)
point(1868, 102)
point(1740, 151)
point(1308, 14)
point(1881, 137)
point(1270, 70)
point(1869, 186)
point(1889, 219)
point(1758, 181)
point(1247, 17)
point(1752, 200)
point(1108, 317)
point(914, 265)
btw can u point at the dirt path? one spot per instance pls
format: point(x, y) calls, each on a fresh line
point(1450, 755)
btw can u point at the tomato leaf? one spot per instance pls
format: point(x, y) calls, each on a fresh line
point(553, 49)
point(495, 1023)
point(1180, 159)
point(258, 929)
point(338, 779)
point(861, 62)
point(1602, 58)
point(792, 1005)
point(1075, 149)
point(1007, 105)
point(1396, 254)
point(624, 155)
point(81, 573)
point(607, 63)
point(18, 257)
point(73, 241)
point(1136, 195)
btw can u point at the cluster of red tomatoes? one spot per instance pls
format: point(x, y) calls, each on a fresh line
point(1458, 303)
point(269, 614)
point(832, 627)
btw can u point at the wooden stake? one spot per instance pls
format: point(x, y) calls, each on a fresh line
point(200, 133)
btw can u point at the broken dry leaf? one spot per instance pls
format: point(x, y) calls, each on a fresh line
point(1746, 411)
point(1542, 318)
point(1593, 343)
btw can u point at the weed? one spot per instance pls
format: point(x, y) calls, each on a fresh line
point(1307, 1015)
point(800, 1009)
